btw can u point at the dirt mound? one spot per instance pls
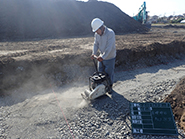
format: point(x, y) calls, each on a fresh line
point(177, 101)
point(59, 18)
point(174, 26)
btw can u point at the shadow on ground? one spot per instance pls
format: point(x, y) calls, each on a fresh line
point(114, 104)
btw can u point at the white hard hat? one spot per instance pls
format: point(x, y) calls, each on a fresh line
point(96, 24)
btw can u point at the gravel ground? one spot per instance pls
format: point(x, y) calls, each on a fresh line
point(62, 113)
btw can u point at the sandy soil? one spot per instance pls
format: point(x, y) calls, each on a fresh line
point(41, 84)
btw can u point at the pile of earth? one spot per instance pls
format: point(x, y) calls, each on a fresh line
point(177, 101)
point(174, 26)
point(60, 18)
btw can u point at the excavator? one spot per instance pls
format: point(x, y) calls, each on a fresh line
point(142, 15)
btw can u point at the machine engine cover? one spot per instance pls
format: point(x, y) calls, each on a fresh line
point(95, 93)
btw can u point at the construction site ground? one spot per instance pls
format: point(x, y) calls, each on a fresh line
point(41, 82)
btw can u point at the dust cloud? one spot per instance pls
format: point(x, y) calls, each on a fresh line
point(47, 84)
point(70, 96)
point(46, 81)
point(67, 96)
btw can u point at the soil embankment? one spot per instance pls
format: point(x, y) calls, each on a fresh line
point(177, 101)
point(41, 62)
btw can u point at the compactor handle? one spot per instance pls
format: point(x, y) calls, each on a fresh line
point(96, 65)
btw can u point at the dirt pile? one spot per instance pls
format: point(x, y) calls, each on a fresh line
point(173, 26)
point(59, 18)
point(177, 101)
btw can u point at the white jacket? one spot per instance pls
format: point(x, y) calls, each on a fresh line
point(106, 44)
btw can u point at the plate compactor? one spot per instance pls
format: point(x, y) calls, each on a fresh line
point(99, 84)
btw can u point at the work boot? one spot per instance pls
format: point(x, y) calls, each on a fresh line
point(110, 89)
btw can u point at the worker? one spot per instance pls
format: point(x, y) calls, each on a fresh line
point(104, 41)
